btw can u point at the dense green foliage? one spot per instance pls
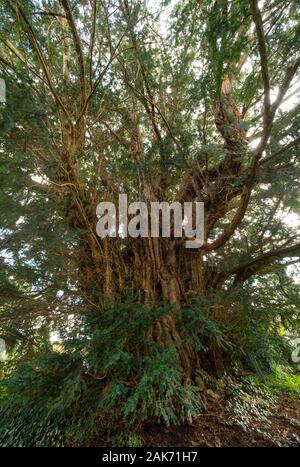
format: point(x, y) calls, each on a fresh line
point(107, 376)
point(138, 97)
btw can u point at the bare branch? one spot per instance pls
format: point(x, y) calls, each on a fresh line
point(78, 47)
point(257, 18)
point(18, 10)
point(101, 75)
point(290, 145)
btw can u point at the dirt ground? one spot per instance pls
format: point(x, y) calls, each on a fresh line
point(214, 428)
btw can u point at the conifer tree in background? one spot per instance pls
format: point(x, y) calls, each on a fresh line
point(177, 101)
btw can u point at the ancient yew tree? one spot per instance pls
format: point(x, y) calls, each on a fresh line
point(178, 101)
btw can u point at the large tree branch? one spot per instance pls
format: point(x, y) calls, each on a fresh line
point(282, 150)
point(23, 59)
point(78, 47)
point(262, 47)
point(150, 109)
point(100, 77)
point(247, 269)
point(19, 11)
point(269, 114)
point(92, 42)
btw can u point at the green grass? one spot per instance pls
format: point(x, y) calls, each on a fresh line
point(282, 379)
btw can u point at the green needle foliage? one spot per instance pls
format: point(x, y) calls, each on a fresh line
point(164, 101)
